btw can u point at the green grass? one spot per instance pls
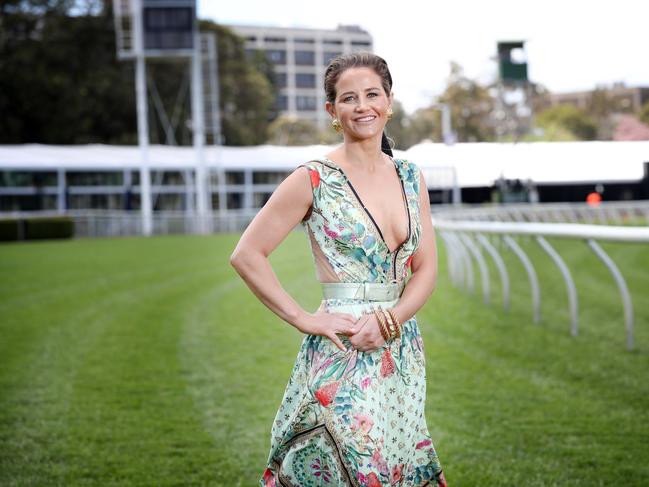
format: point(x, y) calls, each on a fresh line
point(140, 361)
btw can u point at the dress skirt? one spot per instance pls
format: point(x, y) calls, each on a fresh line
point(354, 418)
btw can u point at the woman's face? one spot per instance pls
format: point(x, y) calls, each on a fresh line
point(361, 103)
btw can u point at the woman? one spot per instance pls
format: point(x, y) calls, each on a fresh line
point(353, 409)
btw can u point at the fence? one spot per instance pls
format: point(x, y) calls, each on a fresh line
point(616, 212)
point(462, 229)
point(108, 223)
point(465, 239)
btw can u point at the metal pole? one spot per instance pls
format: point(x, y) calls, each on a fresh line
point(198, 128)
point(622, 287)
point(61, 184)
point(484, 270)
point(456, 192)
point(531, 274)
point(500, 265)
point(447, 132)
point(570, 283)
point(142, 119)
point(213, 76)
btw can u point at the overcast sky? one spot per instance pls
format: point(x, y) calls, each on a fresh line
point(571, 44)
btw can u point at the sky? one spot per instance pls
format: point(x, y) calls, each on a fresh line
point(570, 44)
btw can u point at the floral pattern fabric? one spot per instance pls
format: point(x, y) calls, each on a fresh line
point(356, 418)
point(347, 234)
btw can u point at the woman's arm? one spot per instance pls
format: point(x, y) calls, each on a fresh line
point(282, 212)
point(424, 262)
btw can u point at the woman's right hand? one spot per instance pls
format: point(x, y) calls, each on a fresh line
point(326, 324)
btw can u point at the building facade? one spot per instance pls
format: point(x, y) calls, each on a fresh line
point(625, 99)
point(300, 57)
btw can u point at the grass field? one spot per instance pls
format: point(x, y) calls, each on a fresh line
point(140, 361)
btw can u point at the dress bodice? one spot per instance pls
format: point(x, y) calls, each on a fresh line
point(346, 242)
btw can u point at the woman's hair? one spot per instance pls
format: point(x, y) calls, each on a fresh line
point(359, 59)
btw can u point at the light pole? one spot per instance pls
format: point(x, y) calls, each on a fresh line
point(142, 118)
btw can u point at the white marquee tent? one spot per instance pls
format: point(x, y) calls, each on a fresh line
point(476, 164)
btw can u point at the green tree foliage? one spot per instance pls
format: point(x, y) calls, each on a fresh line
point(601, 106)
point(644, 113)
point(60, 81)
point(292, 131)
point(471, 107)
point(550, 133)
point(570, 118)
point(400, 129)
point(246, 89)
point(295, 131)
point(423, 124)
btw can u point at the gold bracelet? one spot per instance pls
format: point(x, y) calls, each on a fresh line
point(399, 324)
point(394, 330)
point(396, 320)
point(372, 310)
point(391, 325)
point(382, 324)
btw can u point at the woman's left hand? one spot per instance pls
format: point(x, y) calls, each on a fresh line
point(368, 335)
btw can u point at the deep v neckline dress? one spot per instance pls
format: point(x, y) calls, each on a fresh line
point(355, 418)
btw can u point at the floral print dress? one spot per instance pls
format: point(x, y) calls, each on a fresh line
point(355, 418)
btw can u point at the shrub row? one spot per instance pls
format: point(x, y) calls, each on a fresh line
point(36, 228)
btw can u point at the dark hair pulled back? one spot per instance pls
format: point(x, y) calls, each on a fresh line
point(359, 59)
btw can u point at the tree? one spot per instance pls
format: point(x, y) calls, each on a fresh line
point(398, 128)
point(423, 124)
point(601, 106)
point(60, 81)
point(292, 131)
point(471, 107)
point(644, 113)
point(285, 130)
point(570, 118)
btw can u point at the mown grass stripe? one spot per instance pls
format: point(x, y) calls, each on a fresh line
point(140, 361)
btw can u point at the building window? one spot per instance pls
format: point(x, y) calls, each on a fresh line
point(234, 177)
point(304, 40)
point(269, 177)
point(168, 28)
point(260, 199)
point(274, 39)
point(251, 38)
point(276, 56)
point(93, 178)
point(281, 102)
point(168, 19)
point(234, 201)
point(329, 55)
point(333, 42)
point(28, 178)
point(27, 202)
point(280, 80)
point(305, 80)
point(306, 103)
point(361, 44)
point(305, 58)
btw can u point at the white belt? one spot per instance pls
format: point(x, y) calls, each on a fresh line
point(368, 291)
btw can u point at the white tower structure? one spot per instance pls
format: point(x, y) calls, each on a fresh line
point(168, 29)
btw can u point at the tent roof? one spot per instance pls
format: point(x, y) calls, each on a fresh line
point(477, 164)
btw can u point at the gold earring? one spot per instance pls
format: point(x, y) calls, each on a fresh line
point(390, 113)
point(336, 125)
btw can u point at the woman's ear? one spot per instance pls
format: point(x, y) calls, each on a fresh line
point(330, 109)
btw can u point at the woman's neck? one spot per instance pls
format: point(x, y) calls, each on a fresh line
point(363, 154)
